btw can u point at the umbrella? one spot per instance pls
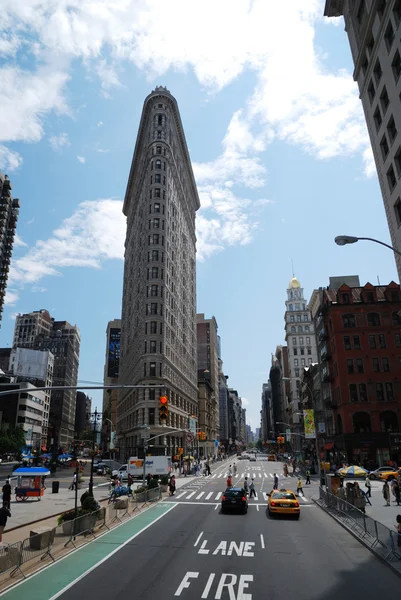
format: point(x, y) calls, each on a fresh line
point(353, 471)
point(34, 471)
point(64, 456)
point(48, 455)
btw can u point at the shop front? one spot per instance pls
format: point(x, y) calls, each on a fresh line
point(371, 450)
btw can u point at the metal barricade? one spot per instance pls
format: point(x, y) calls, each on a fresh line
point(10, 558)
point(37, 545)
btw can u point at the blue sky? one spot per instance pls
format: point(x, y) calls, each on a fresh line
point(275, 131)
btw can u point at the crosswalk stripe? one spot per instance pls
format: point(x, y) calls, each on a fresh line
point(218, 496)
point(249, 474)
point(242, 475)
point(260, 474)
point(265, 474)
point(200, 495)
point(208, 496)
point(182, 494)
point(190, 495)
point(220, 475)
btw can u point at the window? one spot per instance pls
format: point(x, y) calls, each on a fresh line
point(381, 8)
point(384, 147)
point(371, 91)
point(157, 193)
point(395, 318)
point(155, 238)
point(363, 396)
point(384, 101)
point(302, 351)
point(293, 329)
point(158, 164)
point(295, 362)
point(357, 343)
point(377, 72)
point(292, 318)
point(370, 45)
point(301, 341)
point(389, 392)
point(353, 393)
point(396, 65)
point(359, 365)
point(349, 321)
point(159, 119)
point(154, 290)
point(385, 364)
point(156, 223)
point(306, 318)
point(152, 347)
point(397, 11)
point(158, 178)
point(307, 341)
point(377, 118)
point(391, 129)
point(376, 365)
point(347, 342)
point(153, 327)
point(295, 351)
point(379, 392)
point(152, 369)
point(155, 255)
point(302, 362)
point(372, 341)
point(306, 328)
point(397, 161)
point(299, 318)
point(350, 365)
point(365, 64)
point(296, 372)
point(389, 36)
point(294, 341)
point(300, 329)
point(153, 308)
point(345, 298)
point(391, 178)
point(397, 211)
point(154, 272)
point(158, 150)
point(382, 341)
point(397, 340)
point(373, 319)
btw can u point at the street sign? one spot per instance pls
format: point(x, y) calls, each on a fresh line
point(190, 437)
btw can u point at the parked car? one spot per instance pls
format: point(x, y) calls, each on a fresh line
point(234, 498)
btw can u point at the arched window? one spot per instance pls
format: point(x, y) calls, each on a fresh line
point(293, 329)
point(349, 320)
point(388, 421)
point(158, 164)
point(396, 319)
point(339, 425)
point(373, 319)
point(306, 328)
point(361, 422)
point(300, 329)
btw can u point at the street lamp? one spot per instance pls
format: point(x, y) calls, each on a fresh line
point(343, 240)
point(96, 416)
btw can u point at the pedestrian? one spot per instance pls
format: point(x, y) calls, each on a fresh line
point(386, 493)
point(300, 490)
point(208, 471)
point(359, 498)
point(6, 494)
point(229, 482)
point(252, 491)
point(171, 485)
point(149, 477)
point(307, 477)
point(275, 482)
point(398, 528)
point(368, 486)
point(73, 482)
point(230, 471)
point(4, 514)
point(285, 470)
point(246, 486)
point(396, 492)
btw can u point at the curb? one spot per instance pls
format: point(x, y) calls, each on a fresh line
point(385, 562)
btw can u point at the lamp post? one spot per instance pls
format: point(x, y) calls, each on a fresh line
point(343, 240)
point(96, 416)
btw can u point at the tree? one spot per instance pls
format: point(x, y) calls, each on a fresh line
point(259, 444)
point(12, 440)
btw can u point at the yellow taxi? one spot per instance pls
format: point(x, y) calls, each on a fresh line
point(283, 502)
point(385, 473)
point(271, 457)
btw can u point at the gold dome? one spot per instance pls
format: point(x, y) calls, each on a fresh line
point(294, 283)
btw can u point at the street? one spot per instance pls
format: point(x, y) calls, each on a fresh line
point(188, 549)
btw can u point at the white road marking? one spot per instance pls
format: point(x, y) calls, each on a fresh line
point(220, 475)
point(260, 474)
point(190, 495)
point(262, 541)
point(200, 495)
point(199, 537)
point(257, 507)
point(216, 507)
point(242, 475)
point(265, 474)
point(208, 496)
point(182, 494)
point(219, 495)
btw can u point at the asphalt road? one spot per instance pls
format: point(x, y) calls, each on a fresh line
point(194, 552)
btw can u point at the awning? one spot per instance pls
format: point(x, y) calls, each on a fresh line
point(329, 446)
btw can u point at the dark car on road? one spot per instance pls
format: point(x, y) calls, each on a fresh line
point(234, 498)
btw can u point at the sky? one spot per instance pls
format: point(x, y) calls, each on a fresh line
point(277, 139)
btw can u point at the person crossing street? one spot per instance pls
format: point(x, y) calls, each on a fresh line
point(307, 477)
point(252, 491)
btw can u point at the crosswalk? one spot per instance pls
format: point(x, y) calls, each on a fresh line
point(184, 495)
point(258, 475)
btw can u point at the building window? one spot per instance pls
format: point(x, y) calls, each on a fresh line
point(377, 118)
point(396, 65)
point(371, 91)
point(158, 178)
point(350, 365)
point(301, 341)
point(153, 327)
point(309, 350)
point(389, 36)
point(295, 351)
point(349, 321)
point(152, 369)
point(384, 101)
point(391, 129)
point(158, 150)
point(295, 362)
point(391, 178)
point(293, 329)
point(156, 223)
point(389, 392)
point(357, 343)
point(300, 329)
point(302, 351)
point(153, 308)
point(307, 341)
point(345, 298)
point(154, 272)
point(158, 164)
point(365, 64)
point(376, 365)
point(361, 14)
point(385, 364)
point(379, 392)
point(152, 347)
point(373, 320)
point(306, 328)
point(363, 396)
point(154, 290)
point(384, 147)
point(155, 255)
point(157, 193)
point(359, 365)
point(151, 415)
point(296, 372)
point(372, 341)
point(395, 318)
point(381, 8)
point(294, 341)
point(302, 362)
point(397, 340)
point(292, 318)
point(306, 318)
point(382, 341)
point(299, 318)
point(347, 342)
point(397, 161)
point(397, 11)
point(377, 72)
point(353, 393)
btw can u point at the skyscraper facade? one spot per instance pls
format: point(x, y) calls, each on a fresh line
point(373, 29)
point(158, 325)
point(111, 377)
point(208, 345)
point(9, 209)
point(39, 331)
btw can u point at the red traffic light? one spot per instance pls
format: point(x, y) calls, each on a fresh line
point(163, 400)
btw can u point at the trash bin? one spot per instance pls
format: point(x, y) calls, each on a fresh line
point(55, 487)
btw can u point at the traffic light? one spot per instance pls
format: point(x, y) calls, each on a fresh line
point(280, 439)
point(163, 408)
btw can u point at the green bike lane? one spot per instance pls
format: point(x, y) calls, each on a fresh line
point(56, 577)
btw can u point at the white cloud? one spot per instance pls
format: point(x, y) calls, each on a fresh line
point(81, 159)
point(9, 160)
point(37, 289)
point(57, 142)
point(108, 77)
point(100, 123)
point(245, 402)
point(19, 242)
point(11, 297)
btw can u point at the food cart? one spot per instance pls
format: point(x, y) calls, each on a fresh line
point(30, 483)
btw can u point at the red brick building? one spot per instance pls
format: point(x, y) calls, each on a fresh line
point(362, 331)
